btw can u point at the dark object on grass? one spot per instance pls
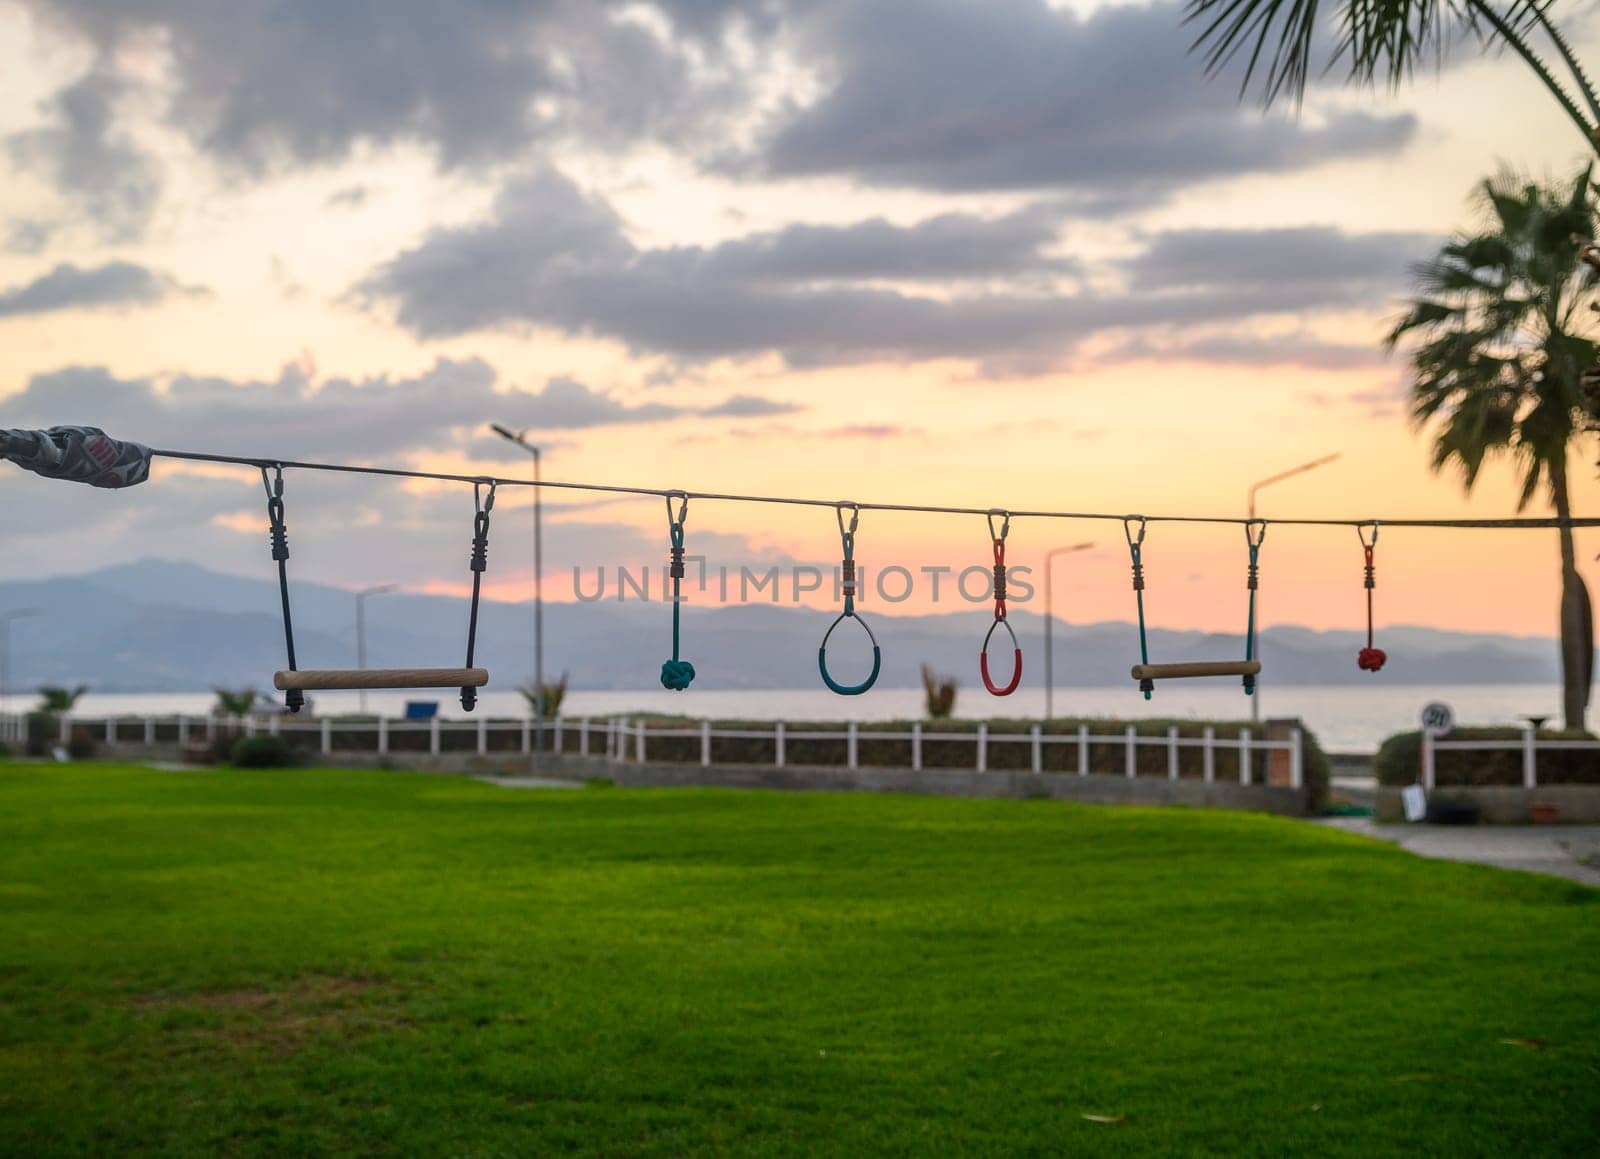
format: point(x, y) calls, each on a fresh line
point(1453, 813)
point(262, 752)
point(81, 745)
point(43, 729)
point(78, 455)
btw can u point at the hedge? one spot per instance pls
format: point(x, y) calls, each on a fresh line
point(1003, 755)
point(1399, 760)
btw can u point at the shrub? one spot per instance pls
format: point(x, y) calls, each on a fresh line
point(939, 694)
point(262, 752)
point(5, 751)
point(551, 694)
point(1399, 760)
point(81, 745)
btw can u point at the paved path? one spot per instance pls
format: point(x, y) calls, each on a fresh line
point(1570, 851)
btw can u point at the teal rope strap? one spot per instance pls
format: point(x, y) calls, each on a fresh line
point(676, 674)
point(1136, 551)
point(847, 537)
point(1255, 534)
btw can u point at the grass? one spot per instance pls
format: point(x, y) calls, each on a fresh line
point(311, 962)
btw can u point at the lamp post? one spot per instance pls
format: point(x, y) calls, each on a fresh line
point(361, 627)
point(1255, 701)
point(1049, 624)
point(5, 651)
point(521, 439)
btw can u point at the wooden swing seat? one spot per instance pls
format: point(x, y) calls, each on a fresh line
point(1197, 668)
point(325, 679)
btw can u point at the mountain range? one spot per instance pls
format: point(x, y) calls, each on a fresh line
point(159, 626)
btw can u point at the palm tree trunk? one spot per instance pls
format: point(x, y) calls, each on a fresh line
point(1577, 616)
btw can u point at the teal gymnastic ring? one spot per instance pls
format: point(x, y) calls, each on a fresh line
point(822, 659)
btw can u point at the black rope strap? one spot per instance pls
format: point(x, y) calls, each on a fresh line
point(294, 700)
point(479, 564)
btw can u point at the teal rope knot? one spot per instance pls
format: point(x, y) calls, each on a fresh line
point(676, 675)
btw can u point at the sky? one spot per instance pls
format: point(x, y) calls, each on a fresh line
point(1000, 254)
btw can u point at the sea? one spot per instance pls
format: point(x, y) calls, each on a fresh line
point(1346, 718)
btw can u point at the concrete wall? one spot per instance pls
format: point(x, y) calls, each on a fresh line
point(1095, 788)
point(1506, 805)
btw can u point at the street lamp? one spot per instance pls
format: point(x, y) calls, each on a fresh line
point(1049, 624)
point(1255, 701)
point(521, 439)
point(361, 627)
point(5, 651)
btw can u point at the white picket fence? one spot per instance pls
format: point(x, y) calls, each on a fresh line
point(1530, 744)
point(621, 738)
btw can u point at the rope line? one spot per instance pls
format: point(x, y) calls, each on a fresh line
point(1516, 524)
point(676, 674)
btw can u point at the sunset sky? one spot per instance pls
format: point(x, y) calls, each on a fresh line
point(1001, 253)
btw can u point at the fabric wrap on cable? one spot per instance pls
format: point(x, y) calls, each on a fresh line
point(78, 455)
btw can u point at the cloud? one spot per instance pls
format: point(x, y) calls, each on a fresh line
point(749, 406)
point(350, 197)
point(554, 256)
point(950, 246)
point(1296, 349)
point(69, 287)
point(268, 83)
point(27, 236)
point(443, 409)
point(1016, 94)
point(113, 183)
point(1225, 260)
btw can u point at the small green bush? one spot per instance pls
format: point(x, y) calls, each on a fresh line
point(1399, 760)
point(262, 752)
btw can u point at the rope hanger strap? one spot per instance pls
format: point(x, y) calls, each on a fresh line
point(1370, 659)
point(998, 540)
point(1255, 534)
point(676, 674)
point(847, 587)
point(479, 563)
point(294, 699)
point(1147, 684)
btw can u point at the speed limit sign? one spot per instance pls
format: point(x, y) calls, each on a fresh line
point(1437, 718)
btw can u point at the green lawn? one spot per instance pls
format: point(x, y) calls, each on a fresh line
point(292, 963)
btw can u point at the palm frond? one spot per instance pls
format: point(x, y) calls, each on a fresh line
point(1530, 10)
point(1509, 33)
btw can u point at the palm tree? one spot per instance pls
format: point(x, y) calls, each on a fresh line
point(545, 700)
point(1497, 362)
point(234, 703)
point(58, 700)
point(1387, 38)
